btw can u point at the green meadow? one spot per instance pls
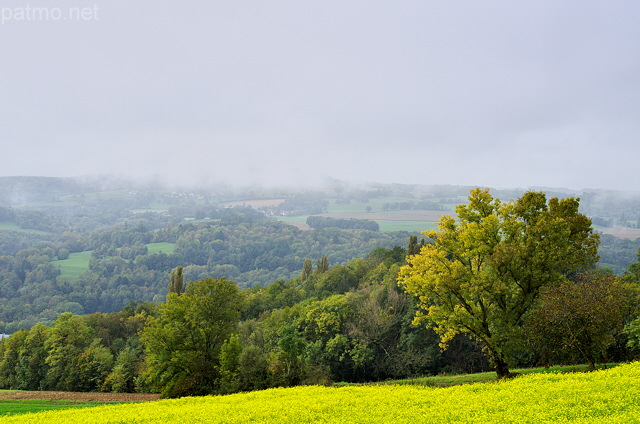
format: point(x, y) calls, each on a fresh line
point(445, 380)
point(11, 226)
point(410, 226)
point(72, 267)
point(167, 248)
point(78, 262)
point(391, 222)
point(24, 406)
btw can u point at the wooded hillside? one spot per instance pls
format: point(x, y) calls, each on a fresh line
point(327, 321)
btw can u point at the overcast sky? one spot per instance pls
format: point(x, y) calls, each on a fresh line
point(493, 93)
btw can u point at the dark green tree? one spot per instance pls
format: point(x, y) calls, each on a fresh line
point(290, 356)
point(33, 368)
point(579, 319)
point(94, 364)
point(176, 284)
point(122, 377)
point(253, 369)
point(68, 338)
point(323, 265)
point(633, 272)
point(10, 359)
point(307, 268)
point(183, 345)
point(230, 365)
point(414, 246)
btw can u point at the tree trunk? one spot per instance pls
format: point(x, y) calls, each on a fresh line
point(501, 367)
point(592, 362)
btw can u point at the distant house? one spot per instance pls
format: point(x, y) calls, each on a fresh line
point(3, 336)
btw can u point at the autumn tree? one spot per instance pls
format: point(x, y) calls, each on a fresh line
point(483, 272)
point(183, 345)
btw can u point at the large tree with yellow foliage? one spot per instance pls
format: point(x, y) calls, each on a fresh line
point(484, 270)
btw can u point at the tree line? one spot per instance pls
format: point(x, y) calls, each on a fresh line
point(348, 224)
point(343, 323)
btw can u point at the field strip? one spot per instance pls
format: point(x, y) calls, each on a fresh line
point(255, 203)
point(621, 232)
point(409, 216)
point(80, 396)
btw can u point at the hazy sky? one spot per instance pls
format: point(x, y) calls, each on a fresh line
point(496, 93)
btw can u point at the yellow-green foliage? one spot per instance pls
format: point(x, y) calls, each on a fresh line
point(611, 396)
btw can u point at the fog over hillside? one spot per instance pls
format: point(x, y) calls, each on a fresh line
point(492, 93)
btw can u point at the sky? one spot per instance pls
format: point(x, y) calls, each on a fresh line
point(506, 94)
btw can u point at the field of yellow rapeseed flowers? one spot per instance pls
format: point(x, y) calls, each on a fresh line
point(609, 396)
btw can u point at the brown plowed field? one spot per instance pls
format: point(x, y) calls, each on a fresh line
point(257, 203)
point(81, 396)
point(622, 232)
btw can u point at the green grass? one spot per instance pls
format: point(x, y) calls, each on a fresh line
point(10, 226)
point(485, 377)
point(375, 203)
point(400, 220)
point(75, 265)
point(24, 406)
point(390, 220)
point(78, 263)
point(167, 248)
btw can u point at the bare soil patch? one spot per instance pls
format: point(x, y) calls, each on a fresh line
point(301, 225)
point(622, 232)
point(256, 203)
point(81, 396)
